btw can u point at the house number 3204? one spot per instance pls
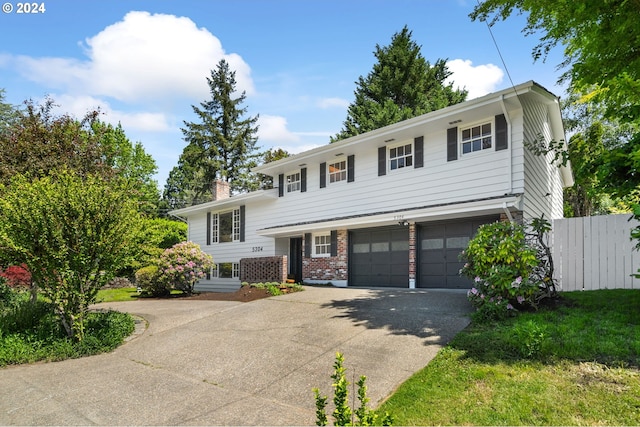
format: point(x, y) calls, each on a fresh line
point(257, 249)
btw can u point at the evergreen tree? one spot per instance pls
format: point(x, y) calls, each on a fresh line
point(271, 155)
point(8, 113)
point(401, 85)
point(220, 145)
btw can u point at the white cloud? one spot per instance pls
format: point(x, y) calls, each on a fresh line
point(78, 106)
point(333, 103)
point(478, 80)
point(274, 128)
point(143, 58)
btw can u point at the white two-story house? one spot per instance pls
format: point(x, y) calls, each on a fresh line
point(392, 207)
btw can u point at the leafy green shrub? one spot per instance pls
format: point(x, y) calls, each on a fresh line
point(80, 228)
point(8, 296)
point(501, 264)
point(343, 415)
point(43, 338)
point(272, 287)
point(182, 265)
point(276, 288)
point(108, 329)
point(24, 315)
point(147, 279)
point(528, 338)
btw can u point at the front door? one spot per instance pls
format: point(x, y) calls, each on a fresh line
point(295, 258)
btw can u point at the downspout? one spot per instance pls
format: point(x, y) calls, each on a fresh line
point(507, 211)
point(509, 142)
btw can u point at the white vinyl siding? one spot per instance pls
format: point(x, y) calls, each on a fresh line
point(543, 189)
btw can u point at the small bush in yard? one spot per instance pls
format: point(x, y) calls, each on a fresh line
point(17, 276)
point(8, 296)
point(343, 415)
point(148, 281)
point(182, 265)
point(275, 288)
point(502, 265)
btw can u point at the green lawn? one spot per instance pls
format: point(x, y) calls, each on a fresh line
point(120, 294)
point(575, 364)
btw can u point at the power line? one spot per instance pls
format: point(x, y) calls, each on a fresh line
point(504, 63)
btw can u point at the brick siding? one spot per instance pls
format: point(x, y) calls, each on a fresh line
point(328, 268)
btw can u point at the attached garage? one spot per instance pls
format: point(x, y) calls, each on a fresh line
point(439, 247)
point(379, 257)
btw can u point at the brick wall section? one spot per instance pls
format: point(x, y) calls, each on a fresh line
point(328, 268)
point(517, 217)
point(264, 269)
point(412, 251)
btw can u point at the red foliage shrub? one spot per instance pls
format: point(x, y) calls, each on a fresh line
point(17, 275)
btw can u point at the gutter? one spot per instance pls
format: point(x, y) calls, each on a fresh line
point(179, 218)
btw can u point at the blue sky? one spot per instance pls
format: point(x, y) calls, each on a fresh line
point(144, 63)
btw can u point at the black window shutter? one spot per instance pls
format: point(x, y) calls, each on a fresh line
point(303, 180)
point(307, 245)
point(452, 144)
point(418, 148)
point(281, 185)
point(382, 161)
point(209, 274)
point(502, 142)
point(334, 243)
point(351, 168)
point(242, 209)
point(323, 175)
point(208, 228)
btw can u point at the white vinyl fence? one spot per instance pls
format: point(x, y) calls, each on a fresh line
point(595, 252)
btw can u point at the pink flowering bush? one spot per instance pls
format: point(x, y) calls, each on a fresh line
point(501, 264)
point(182, 265)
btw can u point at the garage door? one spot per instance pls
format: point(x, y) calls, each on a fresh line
point(379, 257)
point(439, 248)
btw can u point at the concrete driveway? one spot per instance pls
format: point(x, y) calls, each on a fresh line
point(230, 363)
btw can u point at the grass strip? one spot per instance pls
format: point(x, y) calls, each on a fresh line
point(576, 363)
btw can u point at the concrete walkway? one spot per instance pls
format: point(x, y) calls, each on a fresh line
point(230, 363)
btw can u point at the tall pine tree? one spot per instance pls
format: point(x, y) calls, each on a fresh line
point(401, 85)
point(220, 145)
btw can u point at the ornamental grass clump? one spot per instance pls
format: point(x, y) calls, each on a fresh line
point(182, 265)
point(505, 267)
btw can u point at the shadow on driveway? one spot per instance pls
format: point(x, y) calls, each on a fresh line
point(435, 315)
point(229, 363)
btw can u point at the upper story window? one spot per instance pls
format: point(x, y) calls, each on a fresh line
point(322, 245)
point(293, 182)
point(338, 171)
point(400, 157)
point(225, 227)
point(476, 138)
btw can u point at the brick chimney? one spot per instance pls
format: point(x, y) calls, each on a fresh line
point(220, 189)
